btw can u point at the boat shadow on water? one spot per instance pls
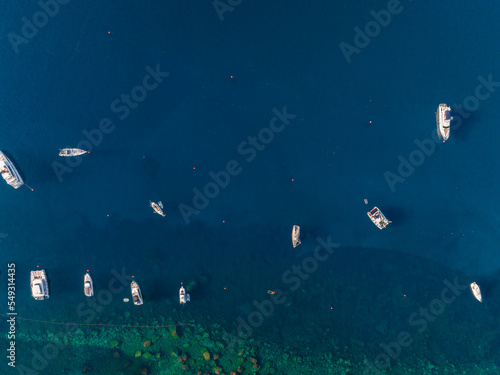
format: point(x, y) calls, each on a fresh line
point(489, 287)
point(396, 215)
point(462, 130)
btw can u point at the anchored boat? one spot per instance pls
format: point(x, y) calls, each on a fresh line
point(72, 152)
point(9, 172)
point(378, 218)
point(476, 291)
point(157, 207)
point(88, 285)
point(443, 120)
point(183, 297)
point(136, 293)
point(39, 285)
point(296, 236)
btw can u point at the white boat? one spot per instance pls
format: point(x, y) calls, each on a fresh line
point(296, 236)
point(9, 172)
point(183, 297)
point(476, 291)
point(157, 207)
point(136, 293)
point(443, 119)
point(39, 285)
point(378, 218)
point(72, 152)
point(88, 285)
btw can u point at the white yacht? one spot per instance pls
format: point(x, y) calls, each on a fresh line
point(443, 119)
point(157, 207)
point(476, 291)
point(72, 152)
point(136, 293)
point(183, 297)
point(296, 236)
point(88, 285)
point(9, 172)
point(39, 285)
point(378, 218)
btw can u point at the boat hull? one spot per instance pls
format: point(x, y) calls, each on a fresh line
point(88, 285)
point(378, 218)
point(476, 291)
point(9, 172)
point(443, 121)
point(68, 152)
point(296, 236)
point(39, 285)
point(157, 208)
point(136, 293)
point(183, 297)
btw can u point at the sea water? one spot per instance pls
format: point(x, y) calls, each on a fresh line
point(245, 119)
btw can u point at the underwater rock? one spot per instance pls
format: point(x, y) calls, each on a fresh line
point(146, 343)
point(138, 353)
point(146, 355)
point(173, 333)
point(114, 343)
point(206, 354)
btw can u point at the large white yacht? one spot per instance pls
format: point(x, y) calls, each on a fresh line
point(9, 172)
point(296, 236)
point(443, 119)
point(136, 293)
point(72, 152)
point(39, 285)
point(88, 285)
point(378, 218)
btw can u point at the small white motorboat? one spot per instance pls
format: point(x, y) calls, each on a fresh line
point(476, 291)
point(183, 297)
point(296, 236)
point(136, 293)
point(88, 285)
point(378, 218)
point(39, 285)
point(157, 207)
point(72, 152)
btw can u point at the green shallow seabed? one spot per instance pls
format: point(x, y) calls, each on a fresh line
point(371, 305)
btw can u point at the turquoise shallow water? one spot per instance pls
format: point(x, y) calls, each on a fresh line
point(349, 127)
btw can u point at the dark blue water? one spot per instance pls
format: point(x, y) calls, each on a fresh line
point(349, 126)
